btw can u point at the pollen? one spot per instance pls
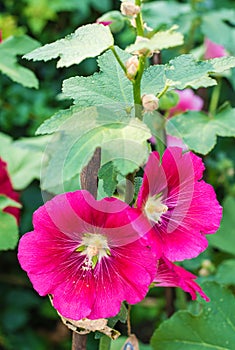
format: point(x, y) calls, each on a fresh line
point(94, 247)
point(154, 209)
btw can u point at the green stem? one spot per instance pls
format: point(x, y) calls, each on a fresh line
point(215, 98)
point(104, 343)
point(139, 21)
point(163, 91)
point(137, 87)
point(118, 59)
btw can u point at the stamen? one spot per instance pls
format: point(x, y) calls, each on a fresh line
point(154, 208)
point(94, 246)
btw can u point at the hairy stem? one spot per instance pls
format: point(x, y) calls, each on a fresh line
point(139, 21)
point(137, 87)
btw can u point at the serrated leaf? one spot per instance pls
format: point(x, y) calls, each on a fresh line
point(186, 331)
point(199, 132)
point(225, 236)
point(218, 26)
point(159, 41)
point(9, 49)
point(8, 231)
point(184, 71)
point(108, 174)
point(24, 158)
point(109, 86)
point(122, 140)
point(87, 41)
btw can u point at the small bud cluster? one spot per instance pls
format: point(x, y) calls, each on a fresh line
point(132, 65)
point(129, 9)
point(150, 102)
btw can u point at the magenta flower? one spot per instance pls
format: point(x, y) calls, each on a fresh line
point(179, 206)
point(7, 190)
point(87, 254)
point(171, 275)
point(213, 50)
point(105, 23)
point(188, 101)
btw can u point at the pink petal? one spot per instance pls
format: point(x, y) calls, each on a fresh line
point(189, 202)
point(49, 256)
point(7, 190)
point(188, 101)
point(213, 50)
point(170, 275)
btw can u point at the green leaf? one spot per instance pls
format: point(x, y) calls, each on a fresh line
point(199, 132)
point(184, 71)
point(159, 41)
point(156, 13)
point(121, 138)
point(218, 26)
point(108, 87)
point(9, 49)
point(8, 202)
point(87, 41)
point(186, 331)
point(224, 238)
point(8, 231)
point(24, 158)
point(225, 273)
point(108, 174)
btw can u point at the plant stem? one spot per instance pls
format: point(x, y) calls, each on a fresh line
point(104, 343)
point(215, 98)
point(79, 341)
point(129, 190)
point(137, 87)
point(163, 91)
point(88, 182)
point(118, 59)
point(129, 321)
point(139, 21)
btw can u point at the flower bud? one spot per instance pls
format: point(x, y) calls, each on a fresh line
point(132, 65)
point(129, 9)
point(114, 19)
point(150, 102)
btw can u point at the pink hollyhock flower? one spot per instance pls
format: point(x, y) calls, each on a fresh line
point(7, 190)
point(87, 254)
point(105, 23)
point(188, 101)
point(171, 275)
point(179, 206)
point(213, 50)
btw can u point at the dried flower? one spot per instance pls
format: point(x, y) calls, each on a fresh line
point(132, 65)
point(128, 8)
point(150, 102)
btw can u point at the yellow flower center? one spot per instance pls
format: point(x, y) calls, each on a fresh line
point(154, 208)
point(94, 247)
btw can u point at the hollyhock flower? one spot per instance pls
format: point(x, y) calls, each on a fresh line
point(188, 101)
point(179, 206)
point(171, 275)
point(87, 254)
point(7, 190)
point(213, 50)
